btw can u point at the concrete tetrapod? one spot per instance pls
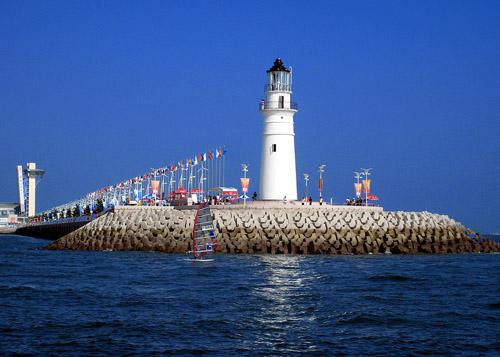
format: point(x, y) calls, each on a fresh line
point(293, 230)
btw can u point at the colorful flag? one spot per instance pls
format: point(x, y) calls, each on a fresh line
point(210, 155)
point(205, 156)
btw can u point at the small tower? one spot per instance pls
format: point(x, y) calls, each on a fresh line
point(277, 170)
point(32, 174)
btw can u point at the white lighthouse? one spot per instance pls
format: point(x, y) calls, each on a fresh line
point(277, 170)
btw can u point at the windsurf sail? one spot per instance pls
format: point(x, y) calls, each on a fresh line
point(204, 242)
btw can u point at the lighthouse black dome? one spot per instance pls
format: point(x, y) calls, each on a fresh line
point(278, 66)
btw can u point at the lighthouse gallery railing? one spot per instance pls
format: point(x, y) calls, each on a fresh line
point(266, 104)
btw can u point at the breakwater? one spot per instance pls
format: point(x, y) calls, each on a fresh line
point(279, 229)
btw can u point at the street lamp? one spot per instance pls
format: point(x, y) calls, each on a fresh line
point(357, 186)
point(321, 170)
point(358, 175)
point(306, 179)
point(244, 168)
point(366, 173)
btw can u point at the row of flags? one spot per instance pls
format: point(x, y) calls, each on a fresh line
point(181, 165)
point(152, 176)
point(198, 158)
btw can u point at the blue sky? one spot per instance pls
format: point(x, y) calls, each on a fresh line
point(96, 92)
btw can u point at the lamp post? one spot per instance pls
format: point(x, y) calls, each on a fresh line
point(191, 178)
point(321, 170)
point(181, 178)
point(201, 183)
point(244, 168)
point(306, 179)
point(366, 173)
point(172, 181)
point(358, 176)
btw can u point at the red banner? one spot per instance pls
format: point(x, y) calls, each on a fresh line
point(245, 182)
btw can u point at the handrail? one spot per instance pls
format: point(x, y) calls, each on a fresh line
point(266, 104)
point(279, 87)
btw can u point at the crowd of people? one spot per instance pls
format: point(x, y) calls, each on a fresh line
point(218, 200)
point(358, 201)
point(309, 200)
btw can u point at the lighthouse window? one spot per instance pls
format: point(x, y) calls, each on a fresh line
point(274, 148)
point(281, 102)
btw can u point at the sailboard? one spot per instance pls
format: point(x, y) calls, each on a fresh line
point(204, 243)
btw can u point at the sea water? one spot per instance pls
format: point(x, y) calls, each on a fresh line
point(68, 302)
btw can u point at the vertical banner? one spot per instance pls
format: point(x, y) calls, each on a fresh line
point(245, 182)
point(366, 185)
point(357, 187)
point(320, 184)
point(155, 184)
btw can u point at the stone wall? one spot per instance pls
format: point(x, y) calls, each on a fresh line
point(278, 229)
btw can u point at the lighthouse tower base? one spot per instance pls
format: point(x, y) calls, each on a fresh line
point(278, 174)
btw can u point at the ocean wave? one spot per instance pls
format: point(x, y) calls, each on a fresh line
point(8, 265)
point(391, 277)
point(13, 288)
point(495, 305)
point(362, 318)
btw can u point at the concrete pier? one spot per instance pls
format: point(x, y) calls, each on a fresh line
point(277, 228)
point(8, 230)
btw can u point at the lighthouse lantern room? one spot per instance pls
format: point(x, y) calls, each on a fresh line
point(277, 172)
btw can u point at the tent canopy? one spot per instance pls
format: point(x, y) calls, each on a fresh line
point(224, 190)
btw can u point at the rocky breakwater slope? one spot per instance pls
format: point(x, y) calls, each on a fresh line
point(285, 229)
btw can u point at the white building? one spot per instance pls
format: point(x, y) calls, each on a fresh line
point(278, 178)
point(27, 181)
point(8, 213)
